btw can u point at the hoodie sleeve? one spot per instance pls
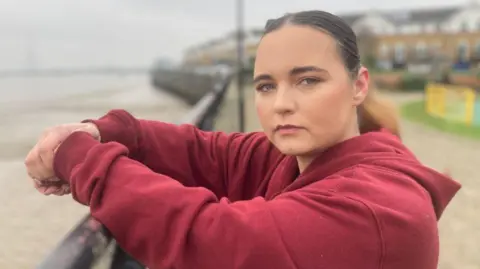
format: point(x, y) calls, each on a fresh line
point(192, 156)
point(164, 224)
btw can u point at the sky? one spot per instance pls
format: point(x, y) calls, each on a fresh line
point(135, 33)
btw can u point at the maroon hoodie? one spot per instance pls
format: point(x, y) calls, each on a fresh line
point(177, 197)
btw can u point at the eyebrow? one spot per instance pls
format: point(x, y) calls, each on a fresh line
point(304, 69)
point(293, 72)
point(262, 77)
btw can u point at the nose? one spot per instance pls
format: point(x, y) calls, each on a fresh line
point(284, 101)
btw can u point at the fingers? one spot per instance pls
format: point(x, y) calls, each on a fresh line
point(43, 188)
point(39, 161)
point(64, 190)
point(47, 187)
point(34, 164)
point(51, 190)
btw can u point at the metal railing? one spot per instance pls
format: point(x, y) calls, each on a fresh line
point(89, 241)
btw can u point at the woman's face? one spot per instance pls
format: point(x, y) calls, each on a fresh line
point(305, 98)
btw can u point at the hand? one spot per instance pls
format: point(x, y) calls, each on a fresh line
point(39, 161)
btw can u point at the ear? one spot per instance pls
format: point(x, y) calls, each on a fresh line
point(361, 86)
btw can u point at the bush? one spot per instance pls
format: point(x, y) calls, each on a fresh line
point(412, 82)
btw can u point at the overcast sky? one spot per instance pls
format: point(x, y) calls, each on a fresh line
point(76, 33)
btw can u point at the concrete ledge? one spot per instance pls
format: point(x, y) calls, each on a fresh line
point(187, 85)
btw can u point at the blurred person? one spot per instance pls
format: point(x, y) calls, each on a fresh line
point(311, 191)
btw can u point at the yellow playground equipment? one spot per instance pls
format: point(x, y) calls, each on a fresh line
point(453, 103)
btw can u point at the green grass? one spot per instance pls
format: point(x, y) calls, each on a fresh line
point(415, 111)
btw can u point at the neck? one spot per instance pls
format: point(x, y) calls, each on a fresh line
point(304, 161)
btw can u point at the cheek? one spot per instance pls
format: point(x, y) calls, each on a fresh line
point(261, 108)
point(340, 97)
point(258, 107)
point(327, 106)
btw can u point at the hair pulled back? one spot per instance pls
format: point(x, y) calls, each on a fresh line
point(330, 24)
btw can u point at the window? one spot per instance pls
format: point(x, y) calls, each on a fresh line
point(462, 51)
point(421, 50)
point(399, 52)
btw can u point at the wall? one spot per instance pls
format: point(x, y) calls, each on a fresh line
point(187, 85)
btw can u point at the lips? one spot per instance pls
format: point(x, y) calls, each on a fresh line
point(288, 129)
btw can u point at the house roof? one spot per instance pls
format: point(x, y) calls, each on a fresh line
point(400, 17)
point(422, 16)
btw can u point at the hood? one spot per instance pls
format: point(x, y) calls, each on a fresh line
point(386, 150)
point(441, 187)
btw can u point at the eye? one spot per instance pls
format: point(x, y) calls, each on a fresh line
point(309, 81)
point(265, 87)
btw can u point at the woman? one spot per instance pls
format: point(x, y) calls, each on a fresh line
point(309, 192)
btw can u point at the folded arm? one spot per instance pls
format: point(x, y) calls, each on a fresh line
point(193, 157)
point(164, 224)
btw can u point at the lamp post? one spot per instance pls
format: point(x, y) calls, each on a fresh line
point(240, 60)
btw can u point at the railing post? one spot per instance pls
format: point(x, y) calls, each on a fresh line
point(240, 56)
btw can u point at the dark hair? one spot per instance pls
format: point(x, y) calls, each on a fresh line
point(329, 23)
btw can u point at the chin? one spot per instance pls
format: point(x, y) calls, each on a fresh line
point(293, 149)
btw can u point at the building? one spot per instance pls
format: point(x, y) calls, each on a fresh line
point(421, 36)
point(223, 50)
point(395, 39)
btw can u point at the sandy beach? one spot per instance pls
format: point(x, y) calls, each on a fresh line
point(32, 224)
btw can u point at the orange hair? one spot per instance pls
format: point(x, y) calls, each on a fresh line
point(377, 113)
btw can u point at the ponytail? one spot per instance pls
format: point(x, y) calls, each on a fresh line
point(377, 113)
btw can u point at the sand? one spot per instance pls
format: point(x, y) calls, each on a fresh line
point(32, 224)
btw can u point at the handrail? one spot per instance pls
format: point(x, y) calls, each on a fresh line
point(83, 246)
point(208, 105)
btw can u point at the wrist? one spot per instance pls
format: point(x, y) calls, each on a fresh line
point(117, 126)
point(90, 128)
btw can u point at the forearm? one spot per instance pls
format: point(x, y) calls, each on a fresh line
point(191, 156)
